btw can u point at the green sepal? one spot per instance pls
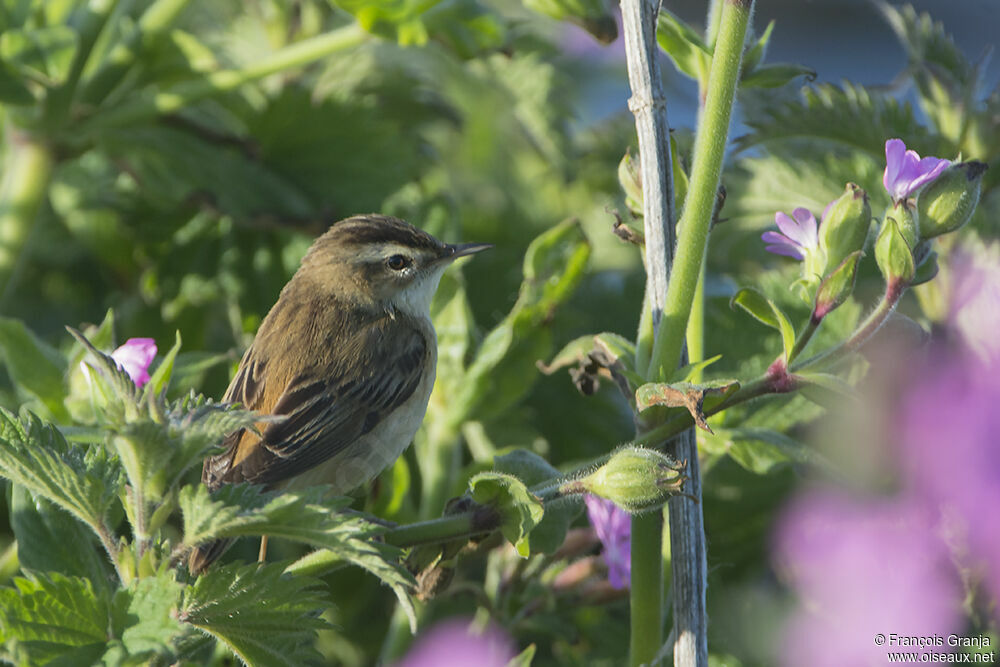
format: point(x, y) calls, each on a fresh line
point(837, 287)
point(767, 312)
point(636, 479)
point(519, 509)
point(927, 270)
point(893, 255)
point(160, 378)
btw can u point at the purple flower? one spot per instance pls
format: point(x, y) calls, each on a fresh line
point(613, 526)
point(974, 312)
point(798, 236)
point(862, 567)
point(134, 357)
point(452, 644)
point(905, 172)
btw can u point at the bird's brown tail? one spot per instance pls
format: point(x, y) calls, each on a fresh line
point(203, 555)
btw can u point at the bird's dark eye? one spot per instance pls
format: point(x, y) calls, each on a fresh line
point(397, 262)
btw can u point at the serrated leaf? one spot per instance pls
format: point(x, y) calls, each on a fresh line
point(520, 510)
point(308, 516)
point(146, 615)
point(228, 603)
point(767, 312)
point(51, 540)
point(848, 115)
point(33, 365)
point(47, 617)
point(82, 482)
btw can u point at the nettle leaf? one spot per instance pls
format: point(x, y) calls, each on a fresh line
point(520, 510)
point(849, 115)
point(146, 616)
point(548, 535)
point(227, 603)
point(33, 365)
point(767, 312)
point(927, 43)
point(553, 267)
point(51, 540)
point(81, 481)
point(44, 618)
point(775, 75)
point(308, 516)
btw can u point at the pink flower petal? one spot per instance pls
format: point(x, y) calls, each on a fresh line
point(134, 357)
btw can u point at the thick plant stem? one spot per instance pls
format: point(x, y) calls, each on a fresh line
point(26, 173)
point(706, 169)
point(648, 104)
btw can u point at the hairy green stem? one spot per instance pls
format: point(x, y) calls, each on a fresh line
point(804, 338)
point(27, 169)
point(647, 585)
point(706, 170)
point(875, 320)
point(185, 94)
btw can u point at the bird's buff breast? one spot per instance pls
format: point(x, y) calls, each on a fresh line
point(379, 448)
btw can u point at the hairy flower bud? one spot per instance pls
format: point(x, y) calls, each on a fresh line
point(948, 202)
point(636, 479)
point(836, 287)
point(893, 254)
point(845, 225)
point(907, 220)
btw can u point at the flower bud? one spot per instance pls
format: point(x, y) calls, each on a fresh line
point(636, 479)
point(845, 225)
point(906, 217)
point(631, 182)
point(836, 287)
point(948, 202)
point(893, 254)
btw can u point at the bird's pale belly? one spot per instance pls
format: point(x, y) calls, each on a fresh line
point(376, 450)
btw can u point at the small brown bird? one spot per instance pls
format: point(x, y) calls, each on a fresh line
point(347, 356)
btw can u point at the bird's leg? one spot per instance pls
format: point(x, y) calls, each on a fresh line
point(262, 556)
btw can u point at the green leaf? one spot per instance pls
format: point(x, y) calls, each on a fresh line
point(927, 270)
point(684, 45)
point(454, 325)
point(594, 16)
point(759, 450)
point(47, 617)
point(520, 510)
point(755, 54)
point(553, 267)
point(146, 616)
point(34, 365)
point(830, 386)
point(264, 616)
point(44, 51)
point(893, 255)
point(524, 658)
point(837, 287)
point(82, 482)
point(51, 540)
point(161, 376)
point(684, 395)
point(767, 312)
point(687, 371)
point(775, 76)
point(13, 91)
point(850, 116)
point(307, 516)
point(534, 471)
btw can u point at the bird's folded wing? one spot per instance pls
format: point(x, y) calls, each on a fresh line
point(323, 415)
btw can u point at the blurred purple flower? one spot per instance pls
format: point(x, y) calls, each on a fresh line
point(613, 526)
point(134, 357)
point(974, 306)
point(862, 567)
point(798, 236)
point(905, 172)
point(452, 644)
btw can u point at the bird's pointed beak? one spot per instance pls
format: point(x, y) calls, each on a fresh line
point(456, 250)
